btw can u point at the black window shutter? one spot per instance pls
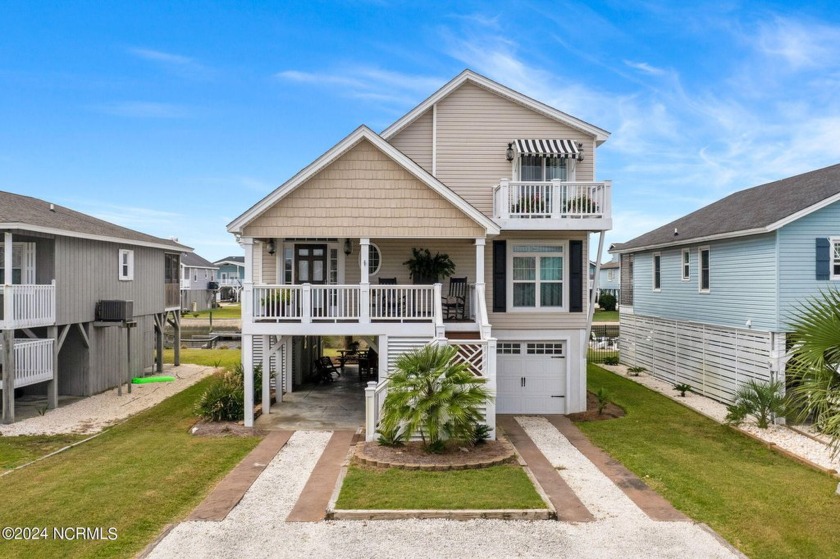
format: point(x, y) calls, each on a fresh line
point(823, 259)
point(576, 276)
point(499, 276)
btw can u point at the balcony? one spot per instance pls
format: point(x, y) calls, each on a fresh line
point(33, 361)
point(27, 306)
point(553, 205)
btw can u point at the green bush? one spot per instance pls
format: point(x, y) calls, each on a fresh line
point(611, 360)
point(607, 302)
point(682, 389)
point(224, 400)
point(762, 400)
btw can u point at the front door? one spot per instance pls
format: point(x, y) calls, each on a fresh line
point(311, 264)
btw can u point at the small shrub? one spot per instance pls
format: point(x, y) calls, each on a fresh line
point(223, 400)
point(611, 360)
point(636, 371)
point(482, 433)
point(603, 398)
point(436, 447)
point(607, 301)
point(390, 437)
point(762, 400)
point(682, 389)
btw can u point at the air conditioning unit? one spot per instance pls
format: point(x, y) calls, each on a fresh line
point(212, 285)
point(114, 311)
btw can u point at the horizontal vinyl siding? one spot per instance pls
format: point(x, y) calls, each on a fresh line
point(797, 258)
point(742, 281)
point(88, 271)
point(396, 251)
point(416, 141)
point(535, 320)
point(363, 194)
point(474, 127)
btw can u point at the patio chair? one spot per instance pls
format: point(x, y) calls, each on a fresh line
point(324, 370)
point(388, 303)
point(455, 302)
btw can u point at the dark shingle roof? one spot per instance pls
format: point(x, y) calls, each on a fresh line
point(748, 210)
point(612, 264)
point(17, 211)
point(195, 261)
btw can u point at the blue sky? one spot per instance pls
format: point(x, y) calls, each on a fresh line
point(175, 117)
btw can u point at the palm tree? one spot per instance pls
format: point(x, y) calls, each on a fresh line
point(433, 396)
point(815, 363)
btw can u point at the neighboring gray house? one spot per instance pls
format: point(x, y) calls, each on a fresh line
point(609, 279)
point(231, 274)
point(57, 266)
point(198, 282)
point(707, 299)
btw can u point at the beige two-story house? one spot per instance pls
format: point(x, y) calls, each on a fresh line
point(503, 184)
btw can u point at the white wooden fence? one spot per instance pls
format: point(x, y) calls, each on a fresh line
point(714, 361)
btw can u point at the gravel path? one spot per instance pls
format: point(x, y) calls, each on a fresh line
point(797, 443)
point(257, 527)
point(92, 415)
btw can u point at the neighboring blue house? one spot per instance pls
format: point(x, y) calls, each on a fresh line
point(707, 299)
point(609, 279)
point(231, 274)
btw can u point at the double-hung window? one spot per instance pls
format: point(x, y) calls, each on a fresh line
point(705, 269)
point(657, 271)
point(538, 276)
point(686, 264)
point(835, 258)
point(126, 265)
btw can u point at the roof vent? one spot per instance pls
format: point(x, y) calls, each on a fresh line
point(676, 232)
point(52, 207)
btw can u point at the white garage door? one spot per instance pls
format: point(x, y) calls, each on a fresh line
point(531, 377)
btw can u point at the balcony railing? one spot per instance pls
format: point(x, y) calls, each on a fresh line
point(33, 361)
point(351, 303)
point(27, 306)
point(230, 282)
point(552, 200)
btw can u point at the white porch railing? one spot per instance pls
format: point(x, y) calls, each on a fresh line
point(319, 303)
point(27, 306)
point(374, 398)
point(230, 282)
point(553, 199)
point(33, 361)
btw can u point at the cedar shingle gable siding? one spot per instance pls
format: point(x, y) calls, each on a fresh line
point(364, 193)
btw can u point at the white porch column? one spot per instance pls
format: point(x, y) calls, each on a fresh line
point(364, 283)
point(370, 411)
point(247, 244)
point(248, 372)
point(503, 210)
point(490, 371)
point(8, 337)
point(383, 357)
point(479, 260)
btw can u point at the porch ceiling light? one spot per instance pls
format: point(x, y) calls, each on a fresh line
point(348, 248)
point(509, 152)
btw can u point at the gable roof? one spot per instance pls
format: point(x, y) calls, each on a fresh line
point(611, 265)
point(345, 145)
point(192, 260)
point(756, 210)
point(31, 214)
point(234, 260)
point(600, 134)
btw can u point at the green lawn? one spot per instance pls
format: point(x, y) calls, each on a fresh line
point(763, 503)
point(226, 311)
point(136, 477)
point(224, 358)
point(16, 451)
point(605, 316)
point(496, 487)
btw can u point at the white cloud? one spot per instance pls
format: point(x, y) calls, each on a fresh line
point(800, 44)
point(173, 63)
point(645, 68)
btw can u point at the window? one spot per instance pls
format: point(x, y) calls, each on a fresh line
point(686, 264)
point(288, 258)
point(657, 271)
point(333, 266)
point(611, 275)
point(835, 258)
point(540, 168)
point(23, 263)
point(545, 349)
point(508, 348)
point(538, 277)
point(126, 265)
point(374, 259)
point(705, 265)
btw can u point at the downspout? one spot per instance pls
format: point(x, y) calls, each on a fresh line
point(592, 296)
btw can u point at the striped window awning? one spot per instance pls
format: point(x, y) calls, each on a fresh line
point(555, 148)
